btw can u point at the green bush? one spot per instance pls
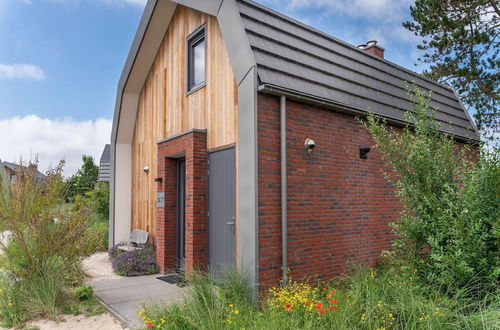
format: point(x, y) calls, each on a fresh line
point(100, 230)
point(449, 229)
point(98, 200)
point(46, 245)
point(45, 234)
point(83, 293)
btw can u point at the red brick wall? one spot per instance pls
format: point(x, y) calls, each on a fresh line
point(339, 205)
point(193, 146)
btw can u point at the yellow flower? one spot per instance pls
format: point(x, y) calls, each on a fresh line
point(236, 312)
point(363, 316)
point(141, 311)
point(10, 304)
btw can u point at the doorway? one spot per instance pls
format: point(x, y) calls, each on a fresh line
point(181, 203)
point(222, 210)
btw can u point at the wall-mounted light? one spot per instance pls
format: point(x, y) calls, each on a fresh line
point(146, 169)
point(363, 151)
point(309, 144)
point(158, 180)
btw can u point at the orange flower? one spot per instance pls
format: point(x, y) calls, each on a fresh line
point(334, 308)
point(334, 301)
point(309, 302)
point(323, 311)
point(149, 325)
point(330, 293)
point(288, 307)
point(319, 306)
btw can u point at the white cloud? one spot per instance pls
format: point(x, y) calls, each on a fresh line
point(25, 71)
point(53, 140)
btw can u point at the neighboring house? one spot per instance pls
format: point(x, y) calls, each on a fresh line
point(235, 141)
point(105, 164)
point(11, 170)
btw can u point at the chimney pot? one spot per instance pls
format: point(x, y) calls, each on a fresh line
point(374, 49)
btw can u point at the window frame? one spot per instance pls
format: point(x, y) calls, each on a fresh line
point(193, 39)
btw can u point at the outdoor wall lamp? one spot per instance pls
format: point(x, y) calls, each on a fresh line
point(363, 151)
point(158, 180)
point(309, 145)
point(146, 169)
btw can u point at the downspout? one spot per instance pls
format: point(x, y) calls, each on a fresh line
point(284, 193)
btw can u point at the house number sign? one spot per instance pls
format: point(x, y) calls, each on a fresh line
point(160, 199)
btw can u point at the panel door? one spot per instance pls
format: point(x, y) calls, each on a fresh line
point(222, 209)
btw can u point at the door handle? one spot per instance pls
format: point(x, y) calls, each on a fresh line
point(232, 224)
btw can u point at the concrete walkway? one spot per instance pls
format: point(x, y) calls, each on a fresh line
point(124, 296)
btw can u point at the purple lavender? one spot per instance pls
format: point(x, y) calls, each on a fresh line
point(136, 262)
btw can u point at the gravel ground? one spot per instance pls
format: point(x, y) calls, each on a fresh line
point(103, 321)
point(98, 267)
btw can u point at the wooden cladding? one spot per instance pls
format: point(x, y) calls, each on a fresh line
point(165, 109)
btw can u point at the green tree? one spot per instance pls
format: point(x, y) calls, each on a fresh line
point(461, 41)
point(84, 180)
point(450, 227)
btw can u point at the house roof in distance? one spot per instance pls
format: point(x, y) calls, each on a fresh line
point(294, 57)
point(15, 167)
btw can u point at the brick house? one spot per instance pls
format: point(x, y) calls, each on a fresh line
point(235, 141)
point(12, 169)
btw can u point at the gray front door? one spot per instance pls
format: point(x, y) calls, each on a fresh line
point(221, 209)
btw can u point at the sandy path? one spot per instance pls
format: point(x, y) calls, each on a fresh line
point(98, 267)
point(80, 322)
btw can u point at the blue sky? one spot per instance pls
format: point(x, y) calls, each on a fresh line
point(60, 61)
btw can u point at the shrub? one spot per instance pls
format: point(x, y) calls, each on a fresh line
point(449, 229)
point(114, 251)
point(136, 262)
point(98, 200)
point(83, 293)
point(100, 230)
point(46, 245)
point(44, 233)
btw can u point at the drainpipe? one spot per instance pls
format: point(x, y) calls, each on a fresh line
point(284, 193)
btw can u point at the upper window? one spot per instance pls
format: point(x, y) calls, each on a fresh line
point(196, 60)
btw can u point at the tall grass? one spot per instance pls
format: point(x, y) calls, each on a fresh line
point(43, 296)
point(386, 298)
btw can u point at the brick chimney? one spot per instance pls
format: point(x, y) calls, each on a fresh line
point(372, 48)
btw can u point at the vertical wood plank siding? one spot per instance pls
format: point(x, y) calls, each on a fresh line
point(166, 110)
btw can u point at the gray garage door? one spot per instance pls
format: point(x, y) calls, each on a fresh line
point(221, 209)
